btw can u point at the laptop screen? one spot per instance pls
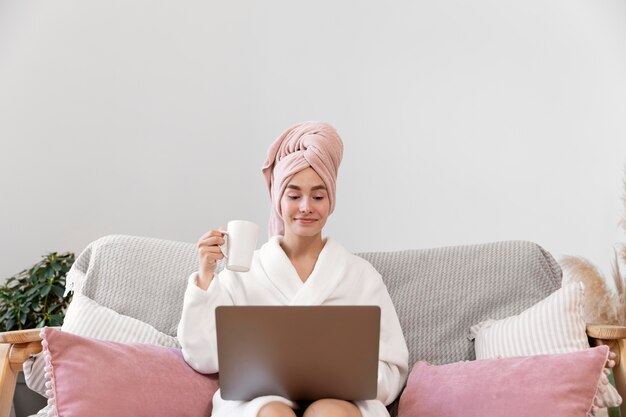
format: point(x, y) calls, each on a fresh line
point(298, 352)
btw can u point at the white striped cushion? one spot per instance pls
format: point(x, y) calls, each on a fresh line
point(553, 325)
point(85, 317)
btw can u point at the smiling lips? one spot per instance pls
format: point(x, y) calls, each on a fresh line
point(306, 221)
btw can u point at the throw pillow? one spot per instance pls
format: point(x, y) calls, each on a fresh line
point(512, 387)
point(85, 317)
point(90, 377)
point(554, 325)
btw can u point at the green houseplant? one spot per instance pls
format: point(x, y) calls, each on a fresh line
point(34, 297)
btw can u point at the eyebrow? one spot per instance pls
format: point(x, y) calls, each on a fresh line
point(317, 187)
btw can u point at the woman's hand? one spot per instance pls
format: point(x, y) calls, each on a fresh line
point(208, 254)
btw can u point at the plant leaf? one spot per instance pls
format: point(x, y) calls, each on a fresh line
point(45, 290)
point(58, 291)
point(56, 319)
point(10, 324)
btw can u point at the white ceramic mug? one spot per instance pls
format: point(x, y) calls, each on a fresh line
point(240, 242)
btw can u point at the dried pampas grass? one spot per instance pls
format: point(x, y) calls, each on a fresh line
point(602, 305)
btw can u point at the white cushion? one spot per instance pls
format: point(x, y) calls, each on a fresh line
point(553, 325)
point(85, 317)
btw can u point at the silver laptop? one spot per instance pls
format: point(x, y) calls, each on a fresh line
point(298, 352)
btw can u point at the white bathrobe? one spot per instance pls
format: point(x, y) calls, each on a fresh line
point(339, 278)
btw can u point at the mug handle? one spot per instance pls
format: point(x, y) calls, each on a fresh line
point(224, 247)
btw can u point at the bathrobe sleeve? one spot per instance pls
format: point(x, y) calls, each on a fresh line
point(393, 352)
point(196, 329)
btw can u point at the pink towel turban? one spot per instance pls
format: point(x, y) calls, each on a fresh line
point(309, 144)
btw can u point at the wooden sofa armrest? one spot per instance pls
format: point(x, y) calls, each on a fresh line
point(15, 348)
point(615, 338)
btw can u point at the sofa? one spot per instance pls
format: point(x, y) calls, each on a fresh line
point(439, 294)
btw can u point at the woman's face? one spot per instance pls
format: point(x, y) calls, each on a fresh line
point(304, 204)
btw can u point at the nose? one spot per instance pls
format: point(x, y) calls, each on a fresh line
point(305, 206)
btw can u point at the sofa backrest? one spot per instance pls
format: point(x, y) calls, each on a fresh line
point(144, 278)
point(438, 293)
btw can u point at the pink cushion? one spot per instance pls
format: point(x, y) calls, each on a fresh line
point(564, 384)
point(89, 377)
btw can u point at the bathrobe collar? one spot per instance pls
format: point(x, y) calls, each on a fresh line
point(329, 269)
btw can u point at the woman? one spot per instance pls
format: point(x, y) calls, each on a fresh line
point(295, 267)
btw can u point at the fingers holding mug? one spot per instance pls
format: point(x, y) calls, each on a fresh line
point(211, 238)
point(236, 243)
point(209, 253)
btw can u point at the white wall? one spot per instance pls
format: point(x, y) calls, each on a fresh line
point(463, 122)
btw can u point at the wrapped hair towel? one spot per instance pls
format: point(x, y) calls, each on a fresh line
point(309, 144)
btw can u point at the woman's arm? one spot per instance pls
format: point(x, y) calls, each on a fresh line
point(196, 329)
point(393, 367)
point(393, 354)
